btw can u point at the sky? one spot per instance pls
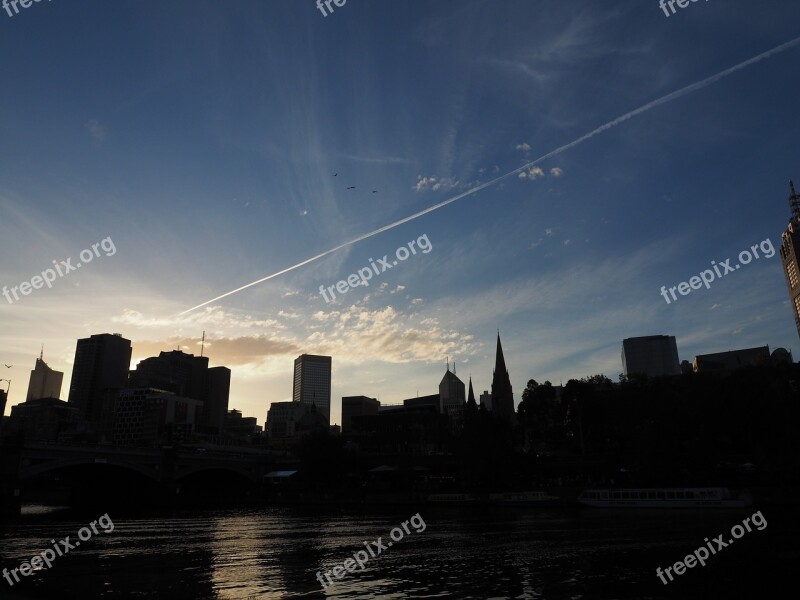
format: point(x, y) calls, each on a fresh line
point(214, 142)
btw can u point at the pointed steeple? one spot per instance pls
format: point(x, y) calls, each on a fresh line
point(471, 397)
point(502, 395)
point(499, 360)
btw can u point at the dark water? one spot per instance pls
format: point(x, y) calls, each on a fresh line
point(513, 553)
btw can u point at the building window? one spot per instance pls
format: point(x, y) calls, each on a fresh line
point(791, 271)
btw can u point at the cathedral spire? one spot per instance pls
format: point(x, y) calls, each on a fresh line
point(502, 395)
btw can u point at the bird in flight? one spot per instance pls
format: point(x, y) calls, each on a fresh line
point(352, 187)
point(335, 174)
point(374, 191)
point(8, 366)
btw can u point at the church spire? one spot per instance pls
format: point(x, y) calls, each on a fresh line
point(502, 395)
point(471, 396)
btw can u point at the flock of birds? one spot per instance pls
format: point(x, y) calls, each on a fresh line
point(352, 187)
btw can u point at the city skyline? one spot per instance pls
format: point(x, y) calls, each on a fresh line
point(566, 258)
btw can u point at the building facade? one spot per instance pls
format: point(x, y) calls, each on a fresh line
point(312, 383)
point(357, 406)
point(734, 359)
point(189, 376)
point(148, 417)
point(101, 364)
point(790, 254)
point(651, 355)
point(44, 382)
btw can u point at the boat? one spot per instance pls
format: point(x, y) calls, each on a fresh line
point(710, 497)
point(522, 498)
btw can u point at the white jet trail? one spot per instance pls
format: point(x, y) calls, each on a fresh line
point(663, 100)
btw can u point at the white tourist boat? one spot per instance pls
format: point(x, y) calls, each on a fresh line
point(710, 497)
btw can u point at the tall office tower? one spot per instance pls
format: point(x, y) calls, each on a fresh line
point(312, 382)
point(101, 364)
point(651, 355)
point(44, 381)
point(790, 254)
point(189, 376)
point(452, 395)
point(502, 395)
point(216, 400)
point(3, 399)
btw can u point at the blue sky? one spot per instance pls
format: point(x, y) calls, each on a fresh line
point(202, 137)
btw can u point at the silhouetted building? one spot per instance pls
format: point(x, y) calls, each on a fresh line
point(3, 400)
point(245, 428)
point(502, 395)
point(686, 367)
point(101, 364)
point(148, 417)
point(782, 355)
point(189, 376)
point(651, 355)
point(215, 402)
point(44, 382)
point(734, 359)
point(471, 404)
point(289, 422)
point(790, 254)
point(486, 400)
point(312, 382)
point(452, 395)
point(45, 420)
point(357, 406)
point(433, 400)
point(403, 430)
point(281, 418)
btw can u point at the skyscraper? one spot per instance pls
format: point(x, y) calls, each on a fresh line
point(650, 355)
point(101, 364)
point(44, 381)
point(312, 382)
point(502, 395)
point(189, 376)
point(790, 254)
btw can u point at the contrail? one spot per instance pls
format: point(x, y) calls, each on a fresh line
point(663, 100)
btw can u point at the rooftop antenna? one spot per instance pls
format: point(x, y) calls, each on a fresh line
point(454, 367)
point(41, 354)
point(448, 363)
point(794, 200)
point(203, 344)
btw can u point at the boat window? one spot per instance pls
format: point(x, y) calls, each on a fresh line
point(690, 494)
point(670, 495)
point(604, 495)
point(660, 495)
point(625, 495)
point(615, 495)
point(680, 495)
point(651, 495)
